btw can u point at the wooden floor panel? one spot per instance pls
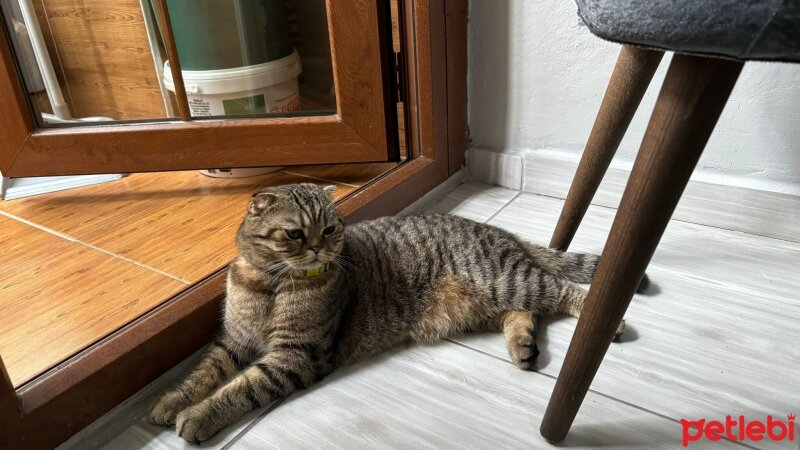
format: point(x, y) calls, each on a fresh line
point(57, 297)
point(100, 256)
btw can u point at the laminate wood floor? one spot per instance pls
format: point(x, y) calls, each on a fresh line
point(57, 296)
point(716, 335)
point(76, 265)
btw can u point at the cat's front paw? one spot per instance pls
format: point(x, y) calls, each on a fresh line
point(196, 423)
point(165, 410)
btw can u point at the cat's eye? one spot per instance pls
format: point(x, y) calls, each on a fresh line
point(327, 231)
point(294, 234)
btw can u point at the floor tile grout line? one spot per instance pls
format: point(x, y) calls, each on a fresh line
point(252, 424)
point(502, 208)
point(92, 246)
point(664, 416)
point(602, 394)
point(679, 220)
point(320, 179)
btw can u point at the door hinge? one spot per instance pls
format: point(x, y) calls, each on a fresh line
point(399, 78)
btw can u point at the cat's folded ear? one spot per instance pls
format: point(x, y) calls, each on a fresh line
point(261, 200)
point(330, 190)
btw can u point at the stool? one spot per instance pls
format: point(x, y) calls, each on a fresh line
point(711, 40)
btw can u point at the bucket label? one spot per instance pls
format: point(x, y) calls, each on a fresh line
point(199, 107)
point(292, 103)
point(246, 105)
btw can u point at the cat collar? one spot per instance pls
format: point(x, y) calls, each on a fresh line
point(314, 271)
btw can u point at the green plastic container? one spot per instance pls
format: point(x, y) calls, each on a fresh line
point(222, 34)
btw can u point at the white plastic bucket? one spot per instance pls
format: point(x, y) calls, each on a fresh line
point(270, 87)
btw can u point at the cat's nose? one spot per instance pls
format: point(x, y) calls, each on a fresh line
point(315, 248)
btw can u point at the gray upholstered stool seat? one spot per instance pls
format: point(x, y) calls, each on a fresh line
point(739, 29)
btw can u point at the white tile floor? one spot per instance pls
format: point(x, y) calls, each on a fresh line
point(718, 334)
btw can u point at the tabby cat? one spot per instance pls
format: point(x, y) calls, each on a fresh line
point(308, 295)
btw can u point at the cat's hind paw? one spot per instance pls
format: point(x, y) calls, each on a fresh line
point(523, 351)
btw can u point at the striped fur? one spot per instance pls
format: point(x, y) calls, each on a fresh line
point(392, 281)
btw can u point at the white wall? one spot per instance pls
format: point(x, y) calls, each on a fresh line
point(537, 75)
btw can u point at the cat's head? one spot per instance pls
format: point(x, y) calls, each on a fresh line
point(294, 226)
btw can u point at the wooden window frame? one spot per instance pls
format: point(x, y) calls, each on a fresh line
point(55, 405)
point(361, 130)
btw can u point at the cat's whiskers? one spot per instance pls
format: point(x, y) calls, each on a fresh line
point(277, 267)
point(344, 257)
point(286, 269)
point(293, 286)
point(343, 263)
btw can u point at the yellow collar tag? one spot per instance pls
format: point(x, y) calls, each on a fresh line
point(315, 272)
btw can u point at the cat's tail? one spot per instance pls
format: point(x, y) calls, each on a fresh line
point(575, 267)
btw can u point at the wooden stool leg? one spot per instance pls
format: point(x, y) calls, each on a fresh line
point(632, 74)
point(691, 100)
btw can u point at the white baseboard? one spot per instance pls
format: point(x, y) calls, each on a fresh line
point(501, 169)
point(550, 172)
point(14, 188)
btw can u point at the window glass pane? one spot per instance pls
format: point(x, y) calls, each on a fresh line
point(105, 60)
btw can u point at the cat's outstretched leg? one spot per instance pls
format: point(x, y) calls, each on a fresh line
point(274, 376)
point(519, 328)
point(220, 361)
